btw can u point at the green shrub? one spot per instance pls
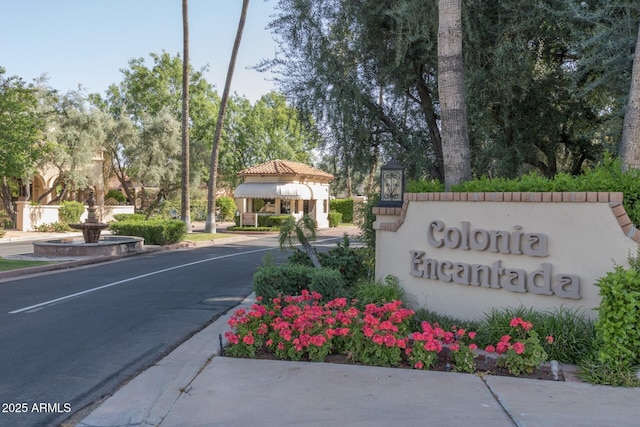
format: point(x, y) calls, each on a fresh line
point(154, 232)
point(116, 195)
point(227, 207)
point(70, 212)
point(2, 232)
point(606, 177)
point(252, 228)
point(618, 324)
point(378, 292)
point(335, 218)
point(276, 220)
point(343, 206)
point(54, 227)
point(328, 283)
point(129, 217)
point(352, 263)
point(596, 372)
point(285, 279)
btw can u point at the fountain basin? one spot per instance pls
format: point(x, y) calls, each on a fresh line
point(106, 246)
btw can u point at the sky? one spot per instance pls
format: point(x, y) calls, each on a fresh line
point(88, 42)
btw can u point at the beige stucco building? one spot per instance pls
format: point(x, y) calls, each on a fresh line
point(282, 187)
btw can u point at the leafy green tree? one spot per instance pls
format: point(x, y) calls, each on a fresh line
point(145, 94)
point(22, 134)
point(78, 137)
point(268, 130)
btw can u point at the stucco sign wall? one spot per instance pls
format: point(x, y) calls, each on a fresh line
point(463, 254)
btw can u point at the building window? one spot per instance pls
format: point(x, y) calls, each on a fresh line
point(285, 206)
point(264, 206)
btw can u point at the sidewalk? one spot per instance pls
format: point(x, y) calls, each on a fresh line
point(193, 387)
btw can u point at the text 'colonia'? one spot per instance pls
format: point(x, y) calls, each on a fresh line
point(516, 242)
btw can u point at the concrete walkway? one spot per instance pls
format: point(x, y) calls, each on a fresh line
point(193, 386)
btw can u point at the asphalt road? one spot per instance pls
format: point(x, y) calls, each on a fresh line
point(69, 338)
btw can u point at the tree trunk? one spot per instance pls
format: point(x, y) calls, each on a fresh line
point(186, 201)
point(453, 107)
point(8, 204)
point(210, 226)
point(630, 144)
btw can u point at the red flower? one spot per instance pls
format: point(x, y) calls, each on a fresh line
point(518, 347)
point(248, 339)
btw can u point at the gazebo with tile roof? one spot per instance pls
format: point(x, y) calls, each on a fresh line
point(283, 187)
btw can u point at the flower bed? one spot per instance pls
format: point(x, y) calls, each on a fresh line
point(301, 328)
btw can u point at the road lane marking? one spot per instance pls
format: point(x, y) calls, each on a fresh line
point(153, 273)
point(119, 282)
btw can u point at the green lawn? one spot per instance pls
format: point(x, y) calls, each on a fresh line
point(11, 264)
point(201, 237)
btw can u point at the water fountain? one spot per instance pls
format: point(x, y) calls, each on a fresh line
point(91, 244)
point(91, 228)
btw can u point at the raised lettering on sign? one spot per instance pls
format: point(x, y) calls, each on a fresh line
point(514, 242)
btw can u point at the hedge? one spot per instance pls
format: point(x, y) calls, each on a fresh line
point(154, 232)
point(344, 206)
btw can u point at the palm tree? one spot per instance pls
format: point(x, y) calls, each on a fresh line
point(630, 145)
point(302, 231)
point(210, 226)
point(453, 107)
point(186, 205)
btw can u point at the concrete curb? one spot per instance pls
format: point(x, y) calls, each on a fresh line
point(151, 395)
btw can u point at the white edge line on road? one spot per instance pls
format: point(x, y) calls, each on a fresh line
point(108, 285)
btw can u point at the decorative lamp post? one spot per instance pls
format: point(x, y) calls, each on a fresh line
point(391, 185)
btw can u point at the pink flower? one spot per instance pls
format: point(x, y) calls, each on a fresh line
point(527, 326)
point(460, 332)
point(318, 340)
point(269, 343)
point(418, 365)
point(473, 346)
point(281, 346)
point(472, 335)
point(248, 339)
point(454, 347)
point(505, 338)
point(490, 349)
point(518, 347)
point(502, 347)
point(231, 337)
point(550, 339)
point(401, 343)
point(389, 340)
point(515, 322)
point(378, 339)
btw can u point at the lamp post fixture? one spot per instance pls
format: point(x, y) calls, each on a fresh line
point(391, 184)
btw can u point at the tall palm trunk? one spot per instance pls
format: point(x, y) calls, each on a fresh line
point(210, 226)
point(186, 202)
point(630, 144)
point(453, 107)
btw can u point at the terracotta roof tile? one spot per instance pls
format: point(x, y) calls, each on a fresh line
point(285, 167)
